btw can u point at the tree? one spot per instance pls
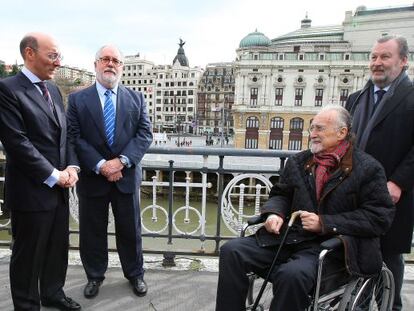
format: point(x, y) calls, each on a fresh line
point(15, 70)
point(3, 72)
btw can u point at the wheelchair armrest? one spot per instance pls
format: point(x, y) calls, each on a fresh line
point(331, 244)
point(255, 220)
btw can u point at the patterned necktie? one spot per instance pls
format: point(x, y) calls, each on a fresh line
point(46, 96)
point(109, 117)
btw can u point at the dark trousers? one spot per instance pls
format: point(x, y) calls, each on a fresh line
point(395, 262)
point(293, 278)
point(39, 256)
point(93, 228)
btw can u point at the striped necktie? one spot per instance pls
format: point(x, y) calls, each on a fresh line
point(46, 96)
point(109, 117)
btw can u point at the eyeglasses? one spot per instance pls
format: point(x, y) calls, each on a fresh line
point(106, 60)
point(319, 128)
point(53, 56)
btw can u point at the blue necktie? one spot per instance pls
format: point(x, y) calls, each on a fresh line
point(109, 117)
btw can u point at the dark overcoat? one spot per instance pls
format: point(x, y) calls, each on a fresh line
point(354, 205)
point(391, 142)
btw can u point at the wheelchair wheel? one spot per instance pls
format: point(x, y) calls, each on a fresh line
point(372, 294)
point(254, 288)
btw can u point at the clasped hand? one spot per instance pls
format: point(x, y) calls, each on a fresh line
point(112, 170)
point(68, 177)
point(310, 222)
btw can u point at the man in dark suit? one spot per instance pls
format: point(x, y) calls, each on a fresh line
point(109, 128)
point(38, 173)
point(383, 113)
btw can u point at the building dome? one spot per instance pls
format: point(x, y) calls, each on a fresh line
point(254, 39)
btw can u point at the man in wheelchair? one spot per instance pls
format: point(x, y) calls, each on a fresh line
point(342, 192)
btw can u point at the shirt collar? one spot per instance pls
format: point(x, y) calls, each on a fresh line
point(30, 75)
point(376, 88)
point(101, 89)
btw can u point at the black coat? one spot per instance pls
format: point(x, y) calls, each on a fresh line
point(392, 143)
point(355, 205)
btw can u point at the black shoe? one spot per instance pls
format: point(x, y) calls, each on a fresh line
point(91, 289)
point(139, 286)
point(65, 304)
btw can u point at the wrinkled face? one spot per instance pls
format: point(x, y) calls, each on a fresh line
point(386, 63)
point(45, 60)
point(325, 134)
point(109, 67)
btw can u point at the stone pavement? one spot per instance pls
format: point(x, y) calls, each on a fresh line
point(191, 286)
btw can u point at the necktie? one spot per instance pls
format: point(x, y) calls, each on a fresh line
point(46, 96)
point(109, 117)
point(380, 93)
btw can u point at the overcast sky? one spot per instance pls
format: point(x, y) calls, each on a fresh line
point(212, 29)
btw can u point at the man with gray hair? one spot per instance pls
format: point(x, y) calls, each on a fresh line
point(109, 131)
point(339, 191)
point(383, 114)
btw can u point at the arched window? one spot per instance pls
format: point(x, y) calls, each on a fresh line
point(252, 133)
point(276, 133)
point(295, 134)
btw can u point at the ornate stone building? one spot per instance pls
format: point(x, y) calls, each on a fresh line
point(170, 90)
point(280, 84)
point(215, 99)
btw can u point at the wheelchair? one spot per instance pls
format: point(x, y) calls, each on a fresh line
point(335, 289)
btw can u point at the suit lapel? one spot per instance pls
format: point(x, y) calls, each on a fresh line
point(93, 104)
point(122, 103)
point(56, 98)
point(34, 94)
point(393, 102)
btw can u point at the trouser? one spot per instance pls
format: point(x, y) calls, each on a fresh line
point(39, 256)
point(293, 277)
point(93, 233)
point(395, 262)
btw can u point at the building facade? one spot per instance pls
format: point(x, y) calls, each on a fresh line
point(216, 99)
point(281, 84)
point(75, 75)
point(170, 90)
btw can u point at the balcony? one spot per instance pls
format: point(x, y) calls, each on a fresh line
point(193, 200)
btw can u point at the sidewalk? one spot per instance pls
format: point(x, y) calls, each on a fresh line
point(170, 289)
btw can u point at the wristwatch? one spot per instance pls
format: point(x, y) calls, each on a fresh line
point(123, 160)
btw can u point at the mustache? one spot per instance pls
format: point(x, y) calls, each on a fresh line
point(110, 70)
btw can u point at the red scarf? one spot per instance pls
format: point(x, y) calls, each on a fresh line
point(327, 163)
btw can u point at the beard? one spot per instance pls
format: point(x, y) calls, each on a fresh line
point(315, 148)
point(109, 80)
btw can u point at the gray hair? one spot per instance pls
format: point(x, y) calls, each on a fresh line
point(343, 118)
point(99, 52)
point(28, 41)
point(401, 41)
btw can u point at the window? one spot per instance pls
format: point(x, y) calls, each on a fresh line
point(318, 97)
point(295, 135)
point(252, 133)
point(276, 133)
point(298, 96)
point(278, 96)
point(190, 92)
point(343, 97)
point(253, 96)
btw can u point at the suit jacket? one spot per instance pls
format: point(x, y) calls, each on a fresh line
point(35, 143)
point(88, 141)
point(391, 142)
